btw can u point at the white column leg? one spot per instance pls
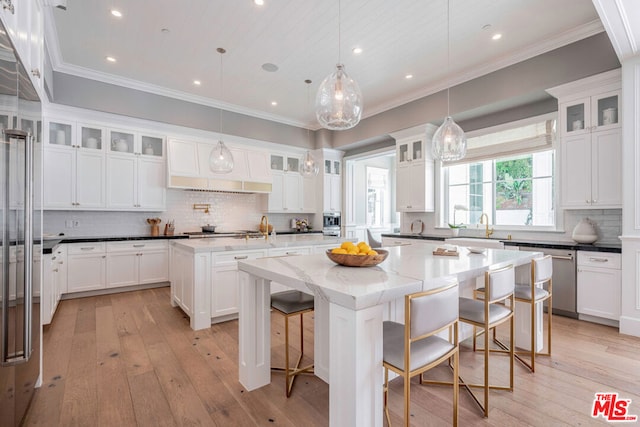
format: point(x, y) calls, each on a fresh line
point(321, 338)
point(356, 375)
point(523, 326)
point(254, 347)
point(197, 292)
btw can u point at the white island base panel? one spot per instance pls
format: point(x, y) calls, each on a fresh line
point(350, 305)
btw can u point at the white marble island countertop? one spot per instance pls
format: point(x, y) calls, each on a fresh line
point(407, 269)
point(220, 244)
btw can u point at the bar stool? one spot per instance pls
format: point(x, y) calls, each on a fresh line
point(288, 304)
point(541, 274)
point(373, 242)
point(413, 348)
point(487, 314)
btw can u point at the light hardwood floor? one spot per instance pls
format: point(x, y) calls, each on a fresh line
point(131, 359)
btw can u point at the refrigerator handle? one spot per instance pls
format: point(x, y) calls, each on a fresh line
point(4, 332)
point(28, 247)
point(24, 355)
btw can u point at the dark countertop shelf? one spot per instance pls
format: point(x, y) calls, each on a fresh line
point(596, 247)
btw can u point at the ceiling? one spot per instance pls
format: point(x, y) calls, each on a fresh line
point(163, 46)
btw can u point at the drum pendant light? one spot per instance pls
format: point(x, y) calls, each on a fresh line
point(449, 141)
point(309, 164)
point(220, 159)
point(339, 100)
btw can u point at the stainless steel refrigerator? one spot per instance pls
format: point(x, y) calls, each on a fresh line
point(20, 236)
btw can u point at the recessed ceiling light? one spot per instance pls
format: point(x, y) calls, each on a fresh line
point(110, 58)
point(259, 2)
point(357, 50)
point(274, 103)
point(116, 13)
point(486, 26)
point(197, 82)
point(272, 68)
point(496, 36)
point(165, 31)
point(408, 76)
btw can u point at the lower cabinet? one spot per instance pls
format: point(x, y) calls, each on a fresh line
point(599, 282)
point(182, 278)
point(300, 250)
point(87, 267)
point(225, 282)
point(137, 262)
point(54, 282)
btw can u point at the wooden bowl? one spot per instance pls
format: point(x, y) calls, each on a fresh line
point(358, 260)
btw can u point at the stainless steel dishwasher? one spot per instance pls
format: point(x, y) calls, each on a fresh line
point(564, 279)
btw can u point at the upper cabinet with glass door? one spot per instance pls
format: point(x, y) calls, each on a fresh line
point(589, 114)
point(409, 150)
point(139, 144)
point(285, 163)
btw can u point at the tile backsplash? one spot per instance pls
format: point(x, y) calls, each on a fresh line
point(228, 211)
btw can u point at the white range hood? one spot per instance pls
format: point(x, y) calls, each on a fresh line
point(188, 165)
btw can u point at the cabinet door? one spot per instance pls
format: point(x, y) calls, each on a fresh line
point(276, 197)
point(576, 117)
point(604, 111)
point(182, 279)
point(59, 173)
point(607, 168)
point(225, 282)
point(183, 158)
point(154, 266)
point(599, 292)
point(121, 182)
point(122, 269)
point(292, 192)
point(309, 194)
point(36, 39)
point(403, 180)
point(336, 193)
point(47, 294)
point(89, 179)
point(86, 272)
point(152, 192)
point(576, 171)
point(411, 186)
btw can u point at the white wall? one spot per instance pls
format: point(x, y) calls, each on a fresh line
point(229, 211)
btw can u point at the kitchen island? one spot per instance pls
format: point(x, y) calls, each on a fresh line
point(204, 272)
point(350, 306)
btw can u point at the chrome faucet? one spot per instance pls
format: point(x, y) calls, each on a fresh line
point(264, 221)
point(487, 231)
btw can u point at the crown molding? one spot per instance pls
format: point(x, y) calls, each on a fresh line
point(576, 34)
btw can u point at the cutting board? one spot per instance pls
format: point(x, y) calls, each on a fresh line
point(417, 226)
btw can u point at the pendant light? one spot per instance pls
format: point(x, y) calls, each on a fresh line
point(449, 141)
point(339, 100)
point(309, 164)
point(220, 159)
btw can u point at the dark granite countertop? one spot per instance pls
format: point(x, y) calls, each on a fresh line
point(596, 247)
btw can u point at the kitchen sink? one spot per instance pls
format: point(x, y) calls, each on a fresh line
point(475, 242)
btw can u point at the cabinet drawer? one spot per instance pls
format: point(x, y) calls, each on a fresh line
point(304, 250)
point(232, 257)
point(136, 245)
point(86, 248)
point(599, 259)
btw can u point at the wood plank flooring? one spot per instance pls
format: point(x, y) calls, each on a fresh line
point(131, 359)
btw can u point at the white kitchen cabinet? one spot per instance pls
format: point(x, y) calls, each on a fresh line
point(182, 279)
point(74, 178)
point(599, 282)
point(283, 252)
point(592, 170)
point(225, 283)
point(136, 177)
point(415, 182)
point(137, 262)
point(287, 192)
point(183, 158)
point(332, 193)
point(52, 278)
point(23, 21)
point(86, 266)
point(590, 141)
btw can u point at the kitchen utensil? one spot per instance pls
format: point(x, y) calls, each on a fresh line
point(609, 116)
point(585, 231)
point(417, 226)
point(119, 145)
point(155, 227)
point(358, 260)
point(91, 143)
point(61, 137)
point(209, 228)
point(475, 250)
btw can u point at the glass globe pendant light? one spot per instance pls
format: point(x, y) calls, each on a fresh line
point(220, 159)
point(309, 164)
point(449, 141)
point(339, 100)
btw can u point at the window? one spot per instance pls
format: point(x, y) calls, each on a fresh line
point(377, 196)
point(508, 175)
